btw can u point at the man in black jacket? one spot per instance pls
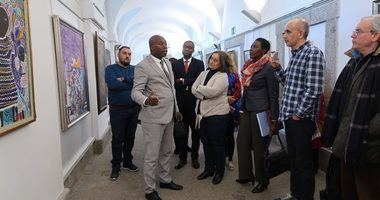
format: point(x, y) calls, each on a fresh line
point(186, 70)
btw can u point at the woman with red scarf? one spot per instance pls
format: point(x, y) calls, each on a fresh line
point(260, 94)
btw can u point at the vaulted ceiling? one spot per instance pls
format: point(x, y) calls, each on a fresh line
point(133, 22)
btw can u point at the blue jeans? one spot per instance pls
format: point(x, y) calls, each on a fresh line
point(123, 125)
point(213, 133)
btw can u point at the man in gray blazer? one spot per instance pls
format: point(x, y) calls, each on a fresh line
point(154, 90)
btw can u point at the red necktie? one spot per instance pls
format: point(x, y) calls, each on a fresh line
point(186, 65)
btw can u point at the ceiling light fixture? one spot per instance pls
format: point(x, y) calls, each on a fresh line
point(253, 15)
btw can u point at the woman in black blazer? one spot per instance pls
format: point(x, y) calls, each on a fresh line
point(260, 94)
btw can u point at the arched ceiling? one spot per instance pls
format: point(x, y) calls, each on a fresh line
point(133, 22)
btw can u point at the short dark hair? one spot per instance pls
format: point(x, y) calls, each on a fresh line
point(223, 59)
point(265, 45)
point(123, 47)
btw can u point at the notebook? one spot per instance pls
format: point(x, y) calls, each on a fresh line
point(262, 119)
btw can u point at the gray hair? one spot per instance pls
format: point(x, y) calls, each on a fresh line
point(375, 22)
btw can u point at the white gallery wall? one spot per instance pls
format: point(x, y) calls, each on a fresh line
point(30, 157)
point(351, 12)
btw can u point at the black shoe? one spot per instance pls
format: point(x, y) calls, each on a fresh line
point(217, 178)
point(188, 149)
point(204, 175)
point(259, 188)
point(114, 174)
point(244, 181)
point(152, 196)
point(171, 185)
point(130, 167)
point(180, 164)
point(195, 163)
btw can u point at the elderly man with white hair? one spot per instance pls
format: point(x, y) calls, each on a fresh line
point(352, 122)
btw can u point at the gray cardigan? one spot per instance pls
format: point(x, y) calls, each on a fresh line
point(213, 95)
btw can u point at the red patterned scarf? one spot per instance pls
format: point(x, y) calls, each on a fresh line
point(250, 68)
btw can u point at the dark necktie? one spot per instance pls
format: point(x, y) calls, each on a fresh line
point(186, 65)
point(163, 69)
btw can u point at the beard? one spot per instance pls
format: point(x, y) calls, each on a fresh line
point(125, 62)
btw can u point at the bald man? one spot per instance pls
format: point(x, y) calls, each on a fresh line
point(303, 84)
point(154, 90)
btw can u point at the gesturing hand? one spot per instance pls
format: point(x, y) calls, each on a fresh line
point(275, 64)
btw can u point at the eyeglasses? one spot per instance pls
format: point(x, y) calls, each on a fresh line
point(357, 32)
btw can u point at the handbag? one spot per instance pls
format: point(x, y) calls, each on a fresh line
point(276, 162)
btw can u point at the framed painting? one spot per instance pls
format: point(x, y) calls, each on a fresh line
point(108, 57)
point(376, 7)
point(100, 60)
point(233, 56)
point(234, 52)
point(71, 72)
point(247, 56)
point(16, 75)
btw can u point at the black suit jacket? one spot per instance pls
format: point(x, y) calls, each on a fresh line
point(185, 98)
point(262, 94)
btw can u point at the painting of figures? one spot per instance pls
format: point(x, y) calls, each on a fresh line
point(16, 77)
point(72, 73)
point(100, 57)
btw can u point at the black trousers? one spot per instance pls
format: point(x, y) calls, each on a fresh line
point(249, 139)
point(181, 142)
point(302, 176)
point(212, 131)
point(230, 139)
point(123, 125)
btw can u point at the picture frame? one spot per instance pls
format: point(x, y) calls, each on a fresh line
point(100, 66)
point(247, 55)
point(17, 103)
point(108, 57)
point(376, 7)
point(71, 73)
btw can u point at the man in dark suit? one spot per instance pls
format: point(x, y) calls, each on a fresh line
point(186, 70)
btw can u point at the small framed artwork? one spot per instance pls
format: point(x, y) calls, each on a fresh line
point(16, 74)
point(247, 56)
point(71, 72)
point(376, 7)
point(100, 60)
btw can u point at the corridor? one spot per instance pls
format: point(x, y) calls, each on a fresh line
point(94, 183)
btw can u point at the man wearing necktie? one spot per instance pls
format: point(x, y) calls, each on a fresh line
point(154, 90)
point(186, 70)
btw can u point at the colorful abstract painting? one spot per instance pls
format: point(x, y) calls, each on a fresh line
point(16, 77)
point(100, 57)
point(72, 73)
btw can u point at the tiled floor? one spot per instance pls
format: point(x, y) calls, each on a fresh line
point(94, 183)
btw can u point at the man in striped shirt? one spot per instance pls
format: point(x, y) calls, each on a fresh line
point(303, 84)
